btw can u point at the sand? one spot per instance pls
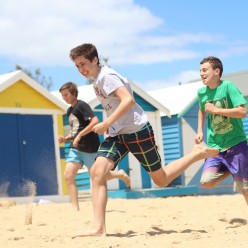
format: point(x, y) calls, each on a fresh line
point(173, 222)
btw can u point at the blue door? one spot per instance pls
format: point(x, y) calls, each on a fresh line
point(27, 154)
point(9, 155)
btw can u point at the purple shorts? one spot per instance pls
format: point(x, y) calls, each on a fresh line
point(234, 160)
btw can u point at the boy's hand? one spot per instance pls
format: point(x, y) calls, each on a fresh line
point(76, 141)
point(61, 139)
point(100, 128)
point(210, 108)
point(198, 138)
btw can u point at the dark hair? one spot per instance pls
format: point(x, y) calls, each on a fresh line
point(214, 62)
point(87, 50)
point(71, 87)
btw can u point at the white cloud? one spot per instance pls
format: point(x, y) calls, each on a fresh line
point(236, 48)
point(42, 33)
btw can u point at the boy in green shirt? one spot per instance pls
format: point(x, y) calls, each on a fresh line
point(225, 106)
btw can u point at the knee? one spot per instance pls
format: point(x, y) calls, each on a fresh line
point(161, 183)
point(69, 177)
point(99, 171)
point(208, 185)
point(98, 177)
point(160, 178)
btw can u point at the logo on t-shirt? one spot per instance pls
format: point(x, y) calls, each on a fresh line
point(220, 124)
point(74, 124)
point(99, 92)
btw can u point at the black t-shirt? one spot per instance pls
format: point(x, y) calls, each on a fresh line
point(79, 117)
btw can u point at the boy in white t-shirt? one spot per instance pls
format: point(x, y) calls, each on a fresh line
point(129, 131)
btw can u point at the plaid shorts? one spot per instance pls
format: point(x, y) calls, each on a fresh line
point(234, 160)
point(141, 144)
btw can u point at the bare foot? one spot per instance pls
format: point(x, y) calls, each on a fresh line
point(75, 205)
point(89, 233)
point(205, 152)
point(124, 177)
point(75, 208)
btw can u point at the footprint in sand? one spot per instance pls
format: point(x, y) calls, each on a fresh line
point(235, 222)
point(16, 238)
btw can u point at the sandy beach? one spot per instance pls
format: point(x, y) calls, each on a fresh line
point(173, 222)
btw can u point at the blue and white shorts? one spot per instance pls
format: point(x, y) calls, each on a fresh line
point(84, 158)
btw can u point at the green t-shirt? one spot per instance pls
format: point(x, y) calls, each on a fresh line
point(223, 131)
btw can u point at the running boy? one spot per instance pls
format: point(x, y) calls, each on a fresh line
point(85, 143)
point(225, 106)
point(129, 131)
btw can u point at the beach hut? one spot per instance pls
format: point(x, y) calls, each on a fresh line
point(178, 132)
point(30, 122)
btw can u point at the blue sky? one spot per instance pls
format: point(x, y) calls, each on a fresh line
point(155, 43)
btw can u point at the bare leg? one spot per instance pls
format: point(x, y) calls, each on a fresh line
point(69, 174)
point(213, 183)
point(99, 172)
point(168, 173)
point(245, 194)
point(121, 175)
point(162, 177)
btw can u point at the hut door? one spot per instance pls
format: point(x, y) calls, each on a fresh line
point(27, 154)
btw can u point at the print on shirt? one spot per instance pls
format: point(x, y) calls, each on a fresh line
point(74, 125)
point(220, 124)
point(99, 92)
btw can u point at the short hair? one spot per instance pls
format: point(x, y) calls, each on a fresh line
point(71, 87)
point(87, 50)
point(214, 62)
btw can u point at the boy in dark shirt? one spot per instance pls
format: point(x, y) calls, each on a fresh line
point(85, 143)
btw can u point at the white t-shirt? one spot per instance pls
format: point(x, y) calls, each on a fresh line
point(104, 85)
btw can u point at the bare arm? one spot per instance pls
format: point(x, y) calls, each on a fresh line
point(127, 101)
point(86, 130)
point(62, 139)
point(201, 119)
point(238, 112)
point(89, 127)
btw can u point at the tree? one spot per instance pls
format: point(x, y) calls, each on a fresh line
point(38, 77)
